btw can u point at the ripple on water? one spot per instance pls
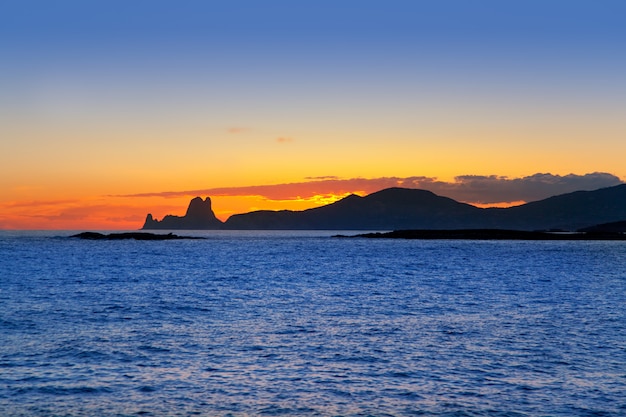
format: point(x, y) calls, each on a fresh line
point(277, 325)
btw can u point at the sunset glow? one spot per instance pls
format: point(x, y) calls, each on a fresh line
point(274, 106)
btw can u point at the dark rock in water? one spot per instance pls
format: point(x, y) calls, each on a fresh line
point(490, 234)
point(130, 235)
point(199, 216)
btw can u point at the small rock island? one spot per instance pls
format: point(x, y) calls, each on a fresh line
point(130, 235)
point(491, 234)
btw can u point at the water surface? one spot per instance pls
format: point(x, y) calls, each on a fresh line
point(298, 323)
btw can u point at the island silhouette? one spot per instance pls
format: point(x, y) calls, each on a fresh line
point(416, 209)
point(130, 236)
point(199, 216)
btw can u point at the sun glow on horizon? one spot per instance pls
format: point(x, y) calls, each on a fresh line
point(128, 212)
point(503, 204)
point(226, 206)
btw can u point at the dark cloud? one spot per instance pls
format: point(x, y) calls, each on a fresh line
point(494, 189)
point(477, 189)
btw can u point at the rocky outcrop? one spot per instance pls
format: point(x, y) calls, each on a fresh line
point(130, 235)
point(199, 216)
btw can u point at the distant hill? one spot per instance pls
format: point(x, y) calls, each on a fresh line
point(613, 227)
point(391, 208)
point(570, 211)
point(402, 208)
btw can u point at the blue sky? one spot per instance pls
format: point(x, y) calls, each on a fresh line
point(327, 29)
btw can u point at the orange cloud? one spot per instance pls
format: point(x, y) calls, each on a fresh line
point(287, 191)
point(236, 130)
point(488, 190)
point(324, 177)
point(284, 140)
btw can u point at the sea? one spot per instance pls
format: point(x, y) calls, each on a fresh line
point(301, 323)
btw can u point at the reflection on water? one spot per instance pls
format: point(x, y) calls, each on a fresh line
point(302, 324)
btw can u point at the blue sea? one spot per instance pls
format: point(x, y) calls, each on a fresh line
point(303, 324)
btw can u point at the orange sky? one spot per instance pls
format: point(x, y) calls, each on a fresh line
point(128, 211)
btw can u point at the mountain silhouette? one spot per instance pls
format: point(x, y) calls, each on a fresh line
point(570, 211)
point(612, 227)
point(403, 208)
point(391, 208)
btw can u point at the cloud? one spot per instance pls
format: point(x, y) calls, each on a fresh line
point(290, 191)
point(284, 140)
point(477, 189)
point(36, 203)
point(236, 130)
point(325, 177)
point(494, 189)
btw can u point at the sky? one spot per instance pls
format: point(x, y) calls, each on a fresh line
point(110, 110)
